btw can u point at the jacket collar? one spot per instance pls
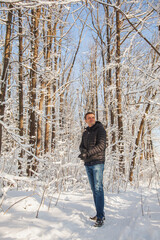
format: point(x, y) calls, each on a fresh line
point(95, 126)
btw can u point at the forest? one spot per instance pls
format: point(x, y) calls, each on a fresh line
point(61, 59)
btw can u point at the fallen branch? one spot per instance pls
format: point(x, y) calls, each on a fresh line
point(41, 201)
point(18, 202)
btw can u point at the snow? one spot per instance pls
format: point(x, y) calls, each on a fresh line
point(130, 215)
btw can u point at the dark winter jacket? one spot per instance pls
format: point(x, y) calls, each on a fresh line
point(93, 144)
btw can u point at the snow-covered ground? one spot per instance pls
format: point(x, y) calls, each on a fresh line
point(130, 215)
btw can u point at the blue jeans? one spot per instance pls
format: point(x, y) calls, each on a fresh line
point(95, 176)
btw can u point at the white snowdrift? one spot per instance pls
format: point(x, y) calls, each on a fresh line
point(130, 215)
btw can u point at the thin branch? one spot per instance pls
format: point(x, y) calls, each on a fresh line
point(18, 202)
point(140, 34)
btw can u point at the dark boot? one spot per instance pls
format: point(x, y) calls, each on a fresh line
point(95, 218)
point(99, 223)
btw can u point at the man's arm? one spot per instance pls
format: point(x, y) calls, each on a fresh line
point(83, 151)
point(101, 143)
point(81, 147)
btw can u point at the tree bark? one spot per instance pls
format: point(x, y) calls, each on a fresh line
point(32, 163)
point(20, 83)
point(7, 53)
point(54, 82)
point(138, 140)
point(118, 94)
point(109, 80)
point(48, 85)
point(150, 151)
point(39, 124)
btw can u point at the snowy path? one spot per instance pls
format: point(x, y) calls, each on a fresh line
point(70, 218)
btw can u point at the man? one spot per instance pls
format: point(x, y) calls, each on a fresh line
point(92, 150)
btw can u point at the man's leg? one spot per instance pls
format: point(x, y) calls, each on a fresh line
point(98, 189)
point(89, 170)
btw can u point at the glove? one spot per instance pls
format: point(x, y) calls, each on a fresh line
point(83, 155)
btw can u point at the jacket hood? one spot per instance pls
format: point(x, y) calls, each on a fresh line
point(95, 126)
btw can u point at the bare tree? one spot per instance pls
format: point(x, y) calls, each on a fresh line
point(39, 123)
point(6, 59)
point(138, 138)
point(109, 77)
point(20, 82)
point(35, 15)
point(118, 94)
point(48, 83)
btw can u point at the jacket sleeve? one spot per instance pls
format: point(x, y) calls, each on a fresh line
point(81, 146)
point(101, 143)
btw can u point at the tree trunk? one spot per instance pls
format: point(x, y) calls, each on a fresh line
point(48, 97)
point(7, 53)
point(39, 147)
point(96, 83)
point(150, 152)
point(39, 124)
point(109, 80)
point(61, 117)
point(138, 140)
point(32, 163)
point(20, 83)
point(118, 94)
point(54, 82)
point(91, 80)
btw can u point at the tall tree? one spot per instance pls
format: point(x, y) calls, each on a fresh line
point(109, 77)
point(55, 74)
point(39, 123)
point(48, 84)
point(118, 92)
point(20, 76)
point(6, 59)
point(137, 141)
point(35, 15)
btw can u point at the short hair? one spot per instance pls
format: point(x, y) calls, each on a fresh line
point(88, 114)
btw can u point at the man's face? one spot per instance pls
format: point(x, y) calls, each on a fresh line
point(90, 120)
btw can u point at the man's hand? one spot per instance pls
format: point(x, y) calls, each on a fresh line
point(83, 155)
